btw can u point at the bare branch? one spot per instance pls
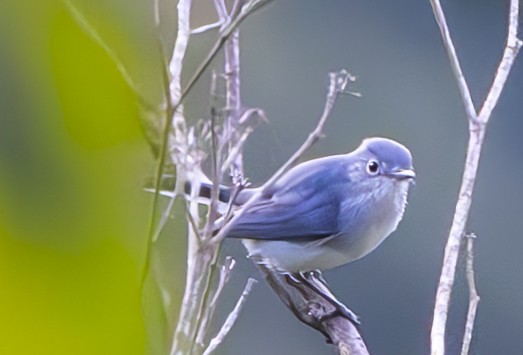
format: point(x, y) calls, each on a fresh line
point(473, 294)
point(231, 319)
point(225, 274)
point(206, 28)
point(477, 128)
point(180, 47)
point(338, 83)
point(453, 57)
point(236, 149)
point(509, 55)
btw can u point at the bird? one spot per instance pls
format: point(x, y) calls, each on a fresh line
point(325, 212)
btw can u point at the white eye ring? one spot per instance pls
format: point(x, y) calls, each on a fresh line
point(373, 167)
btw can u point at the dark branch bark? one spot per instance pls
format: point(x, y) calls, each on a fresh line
point(316, 312)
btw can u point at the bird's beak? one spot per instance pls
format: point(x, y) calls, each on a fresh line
point(403, 174)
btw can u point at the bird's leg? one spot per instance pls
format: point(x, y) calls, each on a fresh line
point(315, 281)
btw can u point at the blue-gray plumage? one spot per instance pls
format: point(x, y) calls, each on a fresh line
point(329, 211)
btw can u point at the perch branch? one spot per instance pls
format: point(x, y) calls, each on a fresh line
point(316, 312)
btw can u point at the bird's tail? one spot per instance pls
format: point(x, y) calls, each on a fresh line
point(169, 188)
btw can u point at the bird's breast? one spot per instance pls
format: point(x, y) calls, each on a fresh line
point(370, 226)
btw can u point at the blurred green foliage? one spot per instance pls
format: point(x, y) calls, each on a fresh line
point(73, 218)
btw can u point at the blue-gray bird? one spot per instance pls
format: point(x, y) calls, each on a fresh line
point(329, 211)
point(323, 213)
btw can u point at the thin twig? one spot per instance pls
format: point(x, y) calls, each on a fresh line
point(91, 31)
point(216, 160)
point(171, 75)
point(477, 128)
point(224, 276)
point(509, 55)
point(473, 294)
point(156, 12)
point(227, 141)
point(232, 80)
point(205, 28)
point(338, 82)
point(236, 149)
point(175, 116)
point(453, 57)
point(231, 319)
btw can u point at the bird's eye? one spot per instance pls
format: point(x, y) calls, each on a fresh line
point(373, 167)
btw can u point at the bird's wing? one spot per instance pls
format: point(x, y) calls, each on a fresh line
point(304, 206)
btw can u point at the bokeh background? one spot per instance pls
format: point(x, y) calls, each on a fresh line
point(73, 160)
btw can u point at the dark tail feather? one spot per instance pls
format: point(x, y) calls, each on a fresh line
point(205, 191)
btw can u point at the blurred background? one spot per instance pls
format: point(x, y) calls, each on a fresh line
point(73, 160)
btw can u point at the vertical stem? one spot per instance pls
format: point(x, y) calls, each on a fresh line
point(184, 327)
point(232, 72)
point(231, 67)
point(193, 297)
point(477, 133)
point(477, 127)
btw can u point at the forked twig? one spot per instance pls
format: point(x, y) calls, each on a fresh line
point(477, 128)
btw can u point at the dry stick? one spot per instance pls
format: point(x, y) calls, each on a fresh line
point(233, 92)
point(231, 319)
point(477, 127)
point(176, 119)
point(211, 300)
point(473, 294)
point(206, 309)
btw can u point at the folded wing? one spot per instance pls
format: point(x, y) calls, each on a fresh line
point(303, 205)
